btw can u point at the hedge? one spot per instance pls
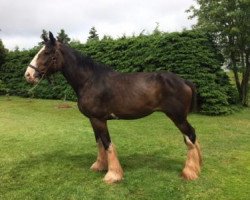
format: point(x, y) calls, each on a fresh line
point(190, 54)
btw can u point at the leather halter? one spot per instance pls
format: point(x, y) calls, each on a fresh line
point(42, 74)
point(35, 68)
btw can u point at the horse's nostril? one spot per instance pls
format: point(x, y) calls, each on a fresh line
point(28, 74)
point(37, 75)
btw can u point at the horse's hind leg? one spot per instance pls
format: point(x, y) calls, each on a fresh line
point(193, 163)
point(115, 172)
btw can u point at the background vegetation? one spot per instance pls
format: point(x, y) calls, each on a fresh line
point(191, 54)
point(228, 23)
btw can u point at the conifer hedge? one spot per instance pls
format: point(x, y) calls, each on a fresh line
point(191, 54)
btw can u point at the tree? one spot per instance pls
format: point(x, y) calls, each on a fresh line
point(107, 37)
point(63, 37)
point(3, 52)
point(75, 42)
point(93, 34)
point(228, 23)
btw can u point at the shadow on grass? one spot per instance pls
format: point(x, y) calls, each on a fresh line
point(56, 158)
point(64, 162)
point(52, 170)
point(152, 161)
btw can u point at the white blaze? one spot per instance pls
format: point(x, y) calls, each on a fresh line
point(29, 74)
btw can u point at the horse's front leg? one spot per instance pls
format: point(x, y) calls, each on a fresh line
point(101, 162)
point(107, 156)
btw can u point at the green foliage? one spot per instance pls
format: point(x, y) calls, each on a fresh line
point(191, 54)
point(93, 34)
point(228, 23)
point(63, 37)
point(3, 88)
point(12, 75)
point(12, 71)
point(3, 53)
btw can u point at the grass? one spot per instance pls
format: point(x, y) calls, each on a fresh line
point(46, 152)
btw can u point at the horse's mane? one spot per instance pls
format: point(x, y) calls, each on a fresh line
point(86, 62)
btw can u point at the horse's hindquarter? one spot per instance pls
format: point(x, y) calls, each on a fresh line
point(143, 93)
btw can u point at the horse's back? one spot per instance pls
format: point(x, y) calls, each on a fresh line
point(150, 90)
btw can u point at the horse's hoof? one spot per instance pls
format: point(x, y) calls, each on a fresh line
point(189, 175)
point(98, 166)
point(113, 177)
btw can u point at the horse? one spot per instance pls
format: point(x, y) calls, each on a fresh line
point(104, 94)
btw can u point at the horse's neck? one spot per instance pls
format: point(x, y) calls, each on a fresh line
point(76, 76)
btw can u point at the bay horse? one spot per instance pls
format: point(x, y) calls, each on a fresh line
point(104, 94)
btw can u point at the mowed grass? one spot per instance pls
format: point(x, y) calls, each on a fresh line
point(46, 152)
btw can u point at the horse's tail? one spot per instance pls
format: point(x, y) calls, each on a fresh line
point(193, 107)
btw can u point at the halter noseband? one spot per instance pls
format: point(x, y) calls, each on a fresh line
point(42, 74)
point(35, 68)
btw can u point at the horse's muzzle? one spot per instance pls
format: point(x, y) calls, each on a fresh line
point(31, 79)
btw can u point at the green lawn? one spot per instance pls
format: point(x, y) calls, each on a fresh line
point(46, 152)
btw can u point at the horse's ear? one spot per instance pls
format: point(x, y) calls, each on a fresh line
point(52, 39)
point(45, 38)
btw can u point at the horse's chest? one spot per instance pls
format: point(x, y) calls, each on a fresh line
point(90, 108)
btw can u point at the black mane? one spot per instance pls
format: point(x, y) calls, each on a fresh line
point(86, 62)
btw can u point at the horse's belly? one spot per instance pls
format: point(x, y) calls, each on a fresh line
point(131, 112)
point(130, 115)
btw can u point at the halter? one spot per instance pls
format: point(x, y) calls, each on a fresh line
point(35, 68)
point(51, 82)
point(43, 75)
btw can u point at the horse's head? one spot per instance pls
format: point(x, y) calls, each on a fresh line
point(47, 61)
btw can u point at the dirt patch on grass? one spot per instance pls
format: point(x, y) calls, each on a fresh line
point(63, 106)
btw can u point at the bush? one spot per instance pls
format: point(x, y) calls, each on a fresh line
point(190, 54)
